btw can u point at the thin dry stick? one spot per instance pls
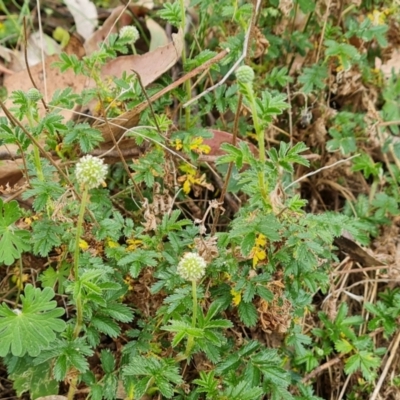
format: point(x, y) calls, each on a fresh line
point(344, 388)
point(148, 101)
point(393, 353)
point(388, 123)
point(319, 170)
point(321, 368)
point(323, 31)
point(230, 168)
point(241, 58)
point(122, 156)
point(28, 68)
point(42, 49)
point(184, 78)
point(353, 271)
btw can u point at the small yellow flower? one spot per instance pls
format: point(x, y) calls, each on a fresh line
point(111, 244)
point(177, 144)
point(258, 252)
point(133, 244)
point(237, 297)
point(261, 240)
point(259, 255)
point(83, 244)
point(197, 146)
point(129, 282)
point(377, 17)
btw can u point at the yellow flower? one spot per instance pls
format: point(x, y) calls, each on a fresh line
point(133, 244)
point(83, 245)
point(377, 17)
point(261, 240)
point(258, 252)
point(237, 297)
point(177, 143)
point(258, 255)
point(111, 244)
point(197, 146)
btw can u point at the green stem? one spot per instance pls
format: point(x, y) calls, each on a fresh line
point(72, 389)
point(36, 153)
point(260, 139)
point(78, 232)
point(190, 342)
point(78, 300)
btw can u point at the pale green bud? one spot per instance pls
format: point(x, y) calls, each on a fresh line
point(245, 74)
point(90, 171)
point(192, 267)
point(33, 94)
point(129, 32)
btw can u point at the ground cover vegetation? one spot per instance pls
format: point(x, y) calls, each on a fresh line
point(238, 238)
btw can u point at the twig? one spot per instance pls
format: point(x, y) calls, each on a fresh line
point(28, 68)
point(121, 156)
point(241, 58)
point(148, 101)
point(328, 6)
point(42, 50)
point(321, 368)
point(319, 170)
point(230, 168)
point(388, 123)
point(354, 271)
point(393, 353)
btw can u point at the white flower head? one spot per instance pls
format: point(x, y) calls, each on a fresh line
point(129, 32)
point(192, 267)
point(90, 171)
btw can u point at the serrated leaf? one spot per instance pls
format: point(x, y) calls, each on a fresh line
point(343, 346)
point(248, 243)
point(107, 361)
point(106, 325)
point(13, 241)
point(248, 313)
point(37, 380)
point(33, 328)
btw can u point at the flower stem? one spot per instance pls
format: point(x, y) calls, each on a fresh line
point(78, 232)
point(79, 306)
point(260, 139)
point(78, 300)
point(36, 154)
point(190, 342)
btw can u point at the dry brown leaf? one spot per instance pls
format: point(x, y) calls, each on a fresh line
point(149, 66)
point(54, 80)
point(388, 66)
point(158, 35)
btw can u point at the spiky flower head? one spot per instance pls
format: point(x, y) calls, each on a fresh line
point(192, 267)
point(90, 171)
point(245, 74)
point(130, 33)
point(33, 94)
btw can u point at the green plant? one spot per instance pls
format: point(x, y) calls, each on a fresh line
point(161, 275)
